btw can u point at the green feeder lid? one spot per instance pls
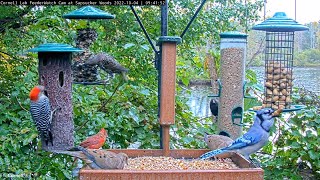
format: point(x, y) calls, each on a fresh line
point(88, 12)
point(280, 23)
point(54, 47)
point(174, 39)
point(233, 34)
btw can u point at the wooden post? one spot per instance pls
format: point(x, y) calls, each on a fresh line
point(167, 89)
point(55, 75)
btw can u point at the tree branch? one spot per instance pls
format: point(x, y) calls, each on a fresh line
point(259, 51)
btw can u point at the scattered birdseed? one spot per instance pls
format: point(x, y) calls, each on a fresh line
point(170, 163)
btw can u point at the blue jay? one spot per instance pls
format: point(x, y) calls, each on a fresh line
point(253, 140)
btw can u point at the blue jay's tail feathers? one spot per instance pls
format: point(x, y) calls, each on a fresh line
point(213, 153)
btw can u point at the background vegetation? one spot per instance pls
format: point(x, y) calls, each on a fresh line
point(130, 113)
point(306, 52)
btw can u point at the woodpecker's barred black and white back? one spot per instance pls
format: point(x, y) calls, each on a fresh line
point(41, 114)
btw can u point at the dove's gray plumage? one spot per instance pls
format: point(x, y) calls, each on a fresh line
point(98, 158)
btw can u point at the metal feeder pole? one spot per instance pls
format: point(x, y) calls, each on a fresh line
point(55, 75)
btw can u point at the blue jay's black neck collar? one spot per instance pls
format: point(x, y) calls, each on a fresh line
point(261, 121)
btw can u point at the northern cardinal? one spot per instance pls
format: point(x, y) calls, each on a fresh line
point(96, 141)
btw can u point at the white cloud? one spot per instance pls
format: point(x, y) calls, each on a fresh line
point(306, 10)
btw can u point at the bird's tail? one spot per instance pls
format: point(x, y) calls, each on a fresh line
point(213, 153)
point(205, 137)
point(77, 154)
point(48, 138)
point(86, 153)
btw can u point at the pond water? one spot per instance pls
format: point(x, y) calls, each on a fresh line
point(303, 77)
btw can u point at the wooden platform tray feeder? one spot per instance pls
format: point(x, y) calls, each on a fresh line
point(83, 73)
point(167, 115)
point(246, 170)
point(279, 61)
point(55, 75)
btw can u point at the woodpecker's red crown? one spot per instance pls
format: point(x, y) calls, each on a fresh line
point(34, 93)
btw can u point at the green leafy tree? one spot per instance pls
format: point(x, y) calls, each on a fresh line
point(128, 111)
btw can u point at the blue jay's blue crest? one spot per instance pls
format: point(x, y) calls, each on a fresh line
point(256, 137)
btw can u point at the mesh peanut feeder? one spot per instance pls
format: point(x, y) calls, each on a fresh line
point(82, 72)
point(279, 60)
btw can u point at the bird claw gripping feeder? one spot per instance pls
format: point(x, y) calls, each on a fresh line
point(55, 75)
point(279, 61)
point(231, 83)
point(85, 73)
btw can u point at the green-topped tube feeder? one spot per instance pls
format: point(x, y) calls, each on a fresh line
point(279, 53)
point(84, 73)
point(55, 75)
point(231, 83)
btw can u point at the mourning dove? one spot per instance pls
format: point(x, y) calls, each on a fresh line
point(98, 158)
point(217, 141)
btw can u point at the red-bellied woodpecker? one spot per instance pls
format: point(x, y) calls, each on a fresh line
point(41, 113)
point(107, 63)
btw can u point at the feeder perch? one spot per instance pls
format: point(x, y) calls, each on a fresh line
point(237, 116)
point(279, 61)
point(231, 83)
point(55, 75)
point(84, 73)
point(219, 90)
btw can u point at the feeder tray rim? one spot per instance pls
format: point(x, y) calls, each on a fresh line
point(166, 171)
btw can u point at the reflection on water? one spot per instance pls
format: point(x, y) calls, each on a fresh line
point(199, 100)
point(303, 77)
